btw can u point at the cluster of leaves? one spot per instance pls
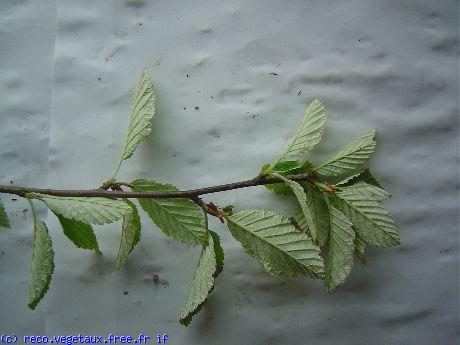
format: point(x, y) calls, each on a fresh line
point(338, 208)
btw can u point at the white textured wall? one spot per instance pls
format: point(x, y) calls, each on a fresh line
point(67, 74)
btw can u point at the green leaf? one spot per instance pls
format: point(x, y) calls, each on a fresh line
point(178, 218)
point(351, 158)
point(4, 222)
point(362, 190)
point(130, 234)
point(81, 234)
point(209, 266)
point(86, 210)
point(363, 176)
point(282, 167)
point(302, 201)
point(341, 247)
point(360, 247)
point(319, 214)
point(275, 243)
point(142, 112)
point(370, 220)
point(308, 135)
point(42, 264)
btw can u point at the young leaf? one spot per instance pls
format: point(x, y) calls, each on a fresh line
point(363, 176)
point(276, 244)
point(351, 158)
point(209, 266)
point(308, 135)
point(4, 222)
point(130, 234)
point(42, 263)
point(180, 219)
point(302, 200)
point(370, 220)
point(142, 112)
point(360, 247)
point(341, 247)
point(86, 210)
point(319, 214)
point(363, 190)
point(81, 234)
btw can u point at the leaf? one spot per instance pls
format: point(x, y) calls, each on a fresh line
point(351, 158)
point(178, 218)
point(209, 266)
point(276, 244)
point(363, 176)
point(370, 220)
point(360, 247)
point(341, 247)
point(142, 113)
point(4, 222)
point(130, 234)
point(81, 234)
point(319, 214)
point(363, 190)
point(282, 167)
point(94, 210)
point(302, 201)
point(42, 264)
point(309, 133)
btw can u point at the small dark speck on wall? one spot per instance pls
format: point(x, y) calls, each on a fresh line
point(125, 293)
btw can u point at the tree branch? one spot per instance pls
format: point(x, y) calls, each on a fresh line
point(189, 194)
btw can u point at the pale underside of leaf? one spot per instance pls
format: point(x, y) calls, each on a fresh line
point(301, 197)
point(4, 222)
point(86, 210)
point(341, 247)
point(370, 220)
point(42, 264)
point(130, 234)
point(276, 244)
point(81, 234)
point(209, 266)
point(309, 133)
point(351, 158)
point(362, 190)
point(181, 219)
point(363, 176)
point(142, 112)
point(360, 247)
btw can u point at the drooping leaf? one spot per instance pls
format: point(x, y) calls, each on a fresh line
point(370, 220)
point(319, 214)
point(309, 133)
point(363, 176)
point(209, 266)
point(351, 158)
point(130, 234)
point(81, 234)
point(94, 210)
point(301, 197)
point(360, 247)
point(178, 218)
point(4, 222)
point(276, 244)
point(362, 190)
point(42, 264)
point(341, 247)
